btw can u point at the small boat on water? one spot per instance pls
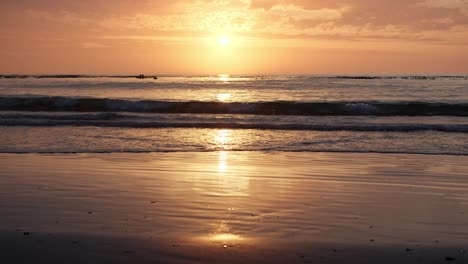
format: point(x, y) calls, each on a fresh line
point(142, 76)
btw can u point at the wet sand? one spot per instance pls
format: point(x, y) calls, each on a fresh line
point(233, 207)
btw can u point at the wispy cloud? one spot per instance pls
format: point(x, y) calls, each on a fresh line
point(452, 4)
point(94, 45)
point(332, 19)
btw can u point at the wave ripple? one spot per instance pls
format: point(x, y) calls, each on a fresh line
point(58, 103)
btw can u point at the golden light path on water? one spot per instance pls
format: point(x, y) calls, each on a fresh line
point(222, 163)
point(224, 77)
point(224, 96)
point(229, 184)
point(223, 233)
point(223, 139)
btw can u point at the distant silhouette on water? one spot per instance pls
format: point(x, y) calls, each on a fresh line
point(142, 76)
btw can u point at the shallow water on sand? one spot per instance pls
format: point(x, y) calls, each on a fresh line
point(231, 198)
point(69, 139)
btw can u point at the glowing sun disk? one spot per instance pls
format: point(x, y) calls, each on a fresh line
point(223, 41)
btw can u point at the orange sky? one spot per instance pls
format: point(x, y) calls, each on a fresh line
point(277, 36)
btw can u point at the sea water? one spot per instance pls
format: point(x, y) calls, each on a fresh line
point(395, 114)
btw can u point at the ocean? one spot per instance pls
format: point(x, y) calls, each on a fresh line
point(234, 169)
point(412, 114)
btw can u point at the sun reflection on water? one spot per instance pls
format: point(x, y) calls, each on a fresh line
point(223, 97)
point(223, 234)
point(224, 77)
point(222, 162)
point(224, 237)
point(223, 139)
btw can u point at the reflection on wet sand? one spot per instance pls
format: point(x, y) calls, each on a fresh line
point(222, 163)
point(218, 177)
point(224, 234)
point(235, 199)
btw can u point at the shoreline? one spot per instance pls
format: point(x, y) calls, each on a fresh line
point(151, 152)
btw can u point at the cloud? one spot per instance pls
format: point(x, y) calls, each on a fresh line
point(213, 16)
point(66, 17)
point(295, 12)
point(451, 4)
point(199, 16)
point(329, 19)
point(93, 45)
point(459, 5)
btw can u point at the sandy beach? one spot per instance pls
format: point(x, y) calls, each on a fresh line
point(233, 207)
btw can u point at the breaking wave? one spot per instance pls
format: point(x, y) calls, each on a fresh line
point(129, 120)
point(57, 103)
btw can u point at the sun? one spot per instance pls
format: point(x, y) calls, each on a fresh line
point(223, 41)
